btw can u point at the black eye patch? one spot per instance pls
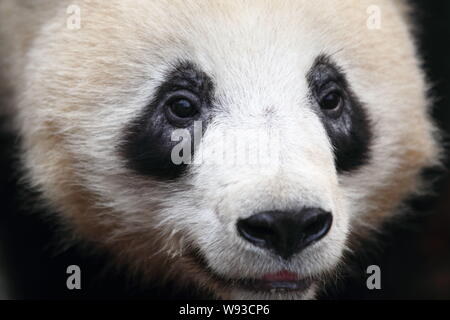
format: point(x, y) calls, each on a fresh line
point(348, 126)
point(148, 144)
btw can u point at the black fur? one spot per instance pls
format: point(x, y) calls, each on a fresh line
point(148, 146)
point(349, 130)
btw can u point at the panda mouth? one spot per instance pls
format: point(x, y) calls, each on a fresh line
point(280, 282)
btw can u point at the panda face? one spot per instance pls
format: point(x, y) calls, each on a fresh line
point(276, 214)
point(292, 116)
point(247, 205)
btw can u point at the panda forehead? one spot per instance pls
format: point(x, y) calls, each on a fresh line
point(242, 76)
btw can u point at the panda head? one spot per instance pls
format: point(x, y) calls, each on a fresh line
point(237, 146)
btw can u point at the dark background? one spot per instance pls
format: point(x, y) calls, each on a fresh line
point(414, 255)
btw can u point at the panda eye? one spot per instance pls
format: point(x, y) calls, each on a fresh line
point(182, 109)
point(331, 101)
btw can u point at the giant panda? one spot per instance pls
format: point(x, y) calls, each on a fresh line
point(107, 96)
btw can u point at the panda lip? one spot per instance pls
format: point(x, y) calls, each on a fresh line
point(282, 276)
point(283, 281)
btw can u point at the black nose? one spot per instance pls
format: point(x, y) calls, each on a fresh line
point(286, 233)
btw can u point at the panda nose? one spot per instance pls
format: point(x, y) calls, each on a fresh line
point(285, 233)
